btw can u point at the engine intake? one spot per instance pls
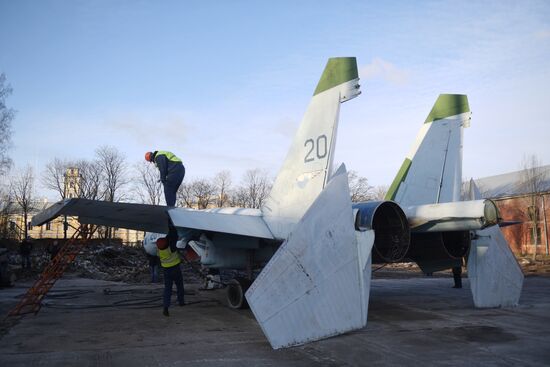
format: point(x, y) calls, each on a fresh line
point(392, 234)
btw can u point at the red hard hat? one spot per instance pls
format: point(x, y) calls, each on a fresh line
point(149, 156)
point(162, 243)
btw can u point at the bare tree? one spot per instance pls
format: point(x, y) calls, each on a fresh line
point(22, 190)
point(223, 185)
point(185, 196)
point(90, 181)
point(6, 208)
point(114, 172)
point(257, 185)
point(6, 117)
point(148, 186)
point(113, 175)
point(533, 177)
point(89, 187)
point(379, 192)
point(204, 191)
point(359, 187)
point(239, 198)
point(53, 177)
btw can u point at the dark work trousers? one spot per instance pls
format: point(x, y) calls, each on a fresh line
point(457, 276)
point(154, 268)
point(171, 186)
point(172, 275)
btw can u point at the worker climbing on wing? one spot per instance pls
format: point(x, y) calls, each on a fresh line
point(170, 262)
point(171, 171)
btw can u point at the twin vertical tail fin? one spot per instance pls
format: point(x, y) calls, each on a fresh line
point(308, 165)
point(432, 171)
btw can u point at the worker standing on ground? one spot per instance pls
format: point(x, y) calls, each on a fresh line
point(53, 249)
point(171, 171)
point(457, 276)
point(25, 250)
point(170, 262)
point(153, 267)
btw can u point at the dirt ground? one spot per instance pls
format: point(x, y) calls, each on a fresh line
point(105, 312)
point(414, 320)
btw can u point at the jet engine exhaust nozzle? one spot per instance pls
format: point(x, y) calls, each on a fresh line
point(392, 234)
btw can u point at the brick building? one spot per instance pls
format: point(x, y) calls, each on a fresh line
point(516, 202)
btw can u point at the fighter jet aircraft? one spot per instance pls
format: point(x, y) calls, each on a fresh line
point(428, 185)
point(314, 248)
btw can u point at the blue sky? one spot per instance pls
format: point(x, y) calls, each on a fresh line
point(224, 84)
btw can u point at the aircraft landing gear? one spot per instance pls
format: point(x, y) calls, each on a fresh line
point(236, 288)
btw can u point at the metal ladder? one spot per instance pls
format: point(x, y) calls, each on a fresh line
point(32, 300)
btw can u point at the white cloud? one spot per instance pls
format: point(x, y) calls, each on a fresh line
point(543, 34)
point(286, 127)
point(163, 127)
point(385, 70)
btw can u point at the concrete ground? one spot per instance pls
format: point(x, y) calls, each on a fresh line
point(413, 321)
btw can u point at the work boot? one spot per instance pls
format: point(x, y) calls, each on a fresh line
point(165, 312)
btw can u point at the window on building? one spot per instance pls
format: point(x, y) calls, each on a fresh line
point(29, 226)
point(531, 234)
point(12, 225)
point(48, 226)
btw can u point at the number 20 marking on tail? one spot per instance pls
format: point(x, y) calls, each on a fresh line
point(320, 147)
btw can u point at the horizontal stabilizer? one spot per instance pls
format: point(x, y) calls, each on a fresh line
point(245, 222)
point(315, 284)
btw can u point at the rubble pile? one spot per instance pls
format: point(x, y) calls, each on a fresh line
point(539, 266)
point(117, 262)
point(100, 259)
point(111, 261)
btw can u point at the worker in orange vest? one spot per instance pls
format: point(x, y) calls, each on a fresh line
point(170, 263)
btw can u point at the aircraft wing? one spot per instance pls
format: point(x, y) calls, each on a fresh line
point(150, 218)
point(154, 218)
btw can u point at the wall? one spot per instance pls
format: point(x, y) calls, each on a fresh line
point(519, 236)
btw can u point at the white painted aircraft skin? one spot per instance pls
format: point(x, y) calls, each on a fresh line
point(454, 216)
point(435, 175)
point(317, 284)
point(431, 199)
point(496, 278)
point(307, 167)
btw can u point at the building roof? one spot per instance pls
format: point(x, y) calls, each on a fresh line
point(511, 184)
point(13, 208)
